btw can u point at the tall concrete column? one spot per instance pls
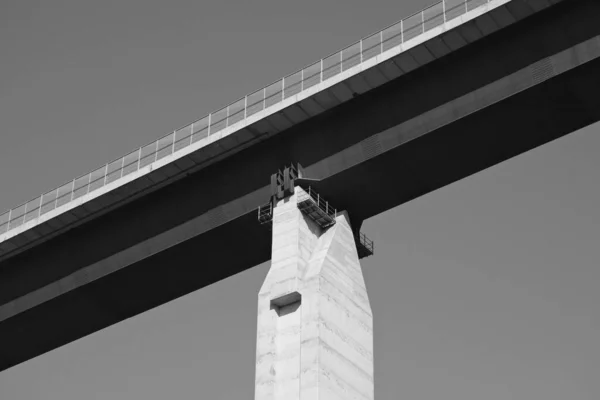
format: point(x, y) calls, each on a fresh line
point(315, 326)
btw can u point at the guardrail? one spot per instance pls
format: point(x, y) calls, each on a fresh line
point(320, 203)
point(262, 99)
point(364, 245)
point(265, 213)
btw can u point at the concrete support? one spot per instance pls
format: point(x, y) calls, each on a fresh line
point(315, 326)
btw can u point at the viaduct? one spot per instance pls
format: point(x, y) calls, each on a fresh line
point(289, 173)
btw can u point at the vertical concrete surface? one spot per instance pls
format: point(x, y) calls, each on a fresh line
point(315, 326)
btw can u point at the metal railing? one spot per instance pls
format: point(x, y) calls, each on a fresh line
point(238, 111)
point(315, 198)
point(265, 213)
point(365, 245)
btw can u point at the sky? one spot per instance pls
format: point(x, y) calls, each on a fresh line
point(486, 288)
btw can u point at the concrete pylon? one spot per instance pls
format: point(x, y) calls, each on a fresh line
point(315, 326)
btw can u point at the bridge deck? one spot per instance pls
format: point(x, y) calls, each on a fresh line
point(367, 64)
point(455, 114)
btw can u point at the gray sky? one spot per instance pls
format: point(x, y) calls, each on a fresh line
point(484, 289)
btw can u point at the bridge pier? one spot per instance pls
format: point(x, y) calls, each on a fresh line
point(315, 326)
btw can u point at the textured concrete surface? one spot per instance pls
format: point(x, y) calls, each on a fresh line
point(315, 326)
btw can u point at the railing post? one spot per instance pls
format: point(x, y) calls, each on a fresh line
point(360, 48)
point(56, 198)
point(72, 192)
point(139, 159)
point(88, 185)
point(283, 88)
point(401, 31)
point(103, 183)
point(444, 10)
point(422, 21)
point(381, 41)
point(302, 80)
point(42, 201)
point(208, 130)
point(173, 144)
point(321, 72)
point(264, 98)
point(245, 107)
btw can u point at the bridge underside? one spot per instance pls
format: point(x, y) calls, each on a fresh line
point(468, 144)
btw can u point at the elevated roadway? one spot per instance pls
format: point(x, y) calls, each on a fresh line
point(475, 90)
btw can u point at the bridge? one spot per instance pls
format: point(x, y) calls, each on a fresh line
point(443, 94)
